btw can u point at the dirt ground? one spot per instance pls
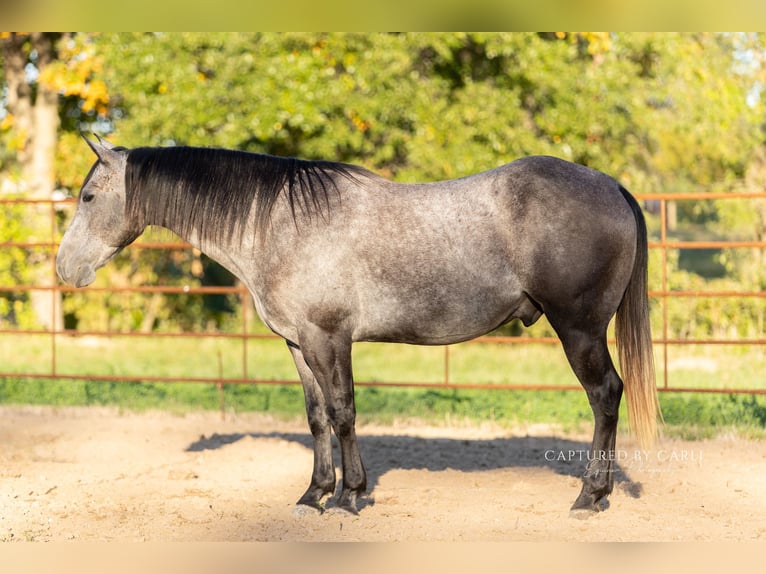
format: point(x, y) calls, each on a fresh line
point(94, 474)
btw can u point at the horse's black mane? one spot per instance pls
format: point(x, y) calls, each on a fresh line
point(212, 191)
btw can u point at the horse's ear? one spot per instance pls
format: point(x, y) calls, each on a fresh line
point(105, 151)
point(104, 142)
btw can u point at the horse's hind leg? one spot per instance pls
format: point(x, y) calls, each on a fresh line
point(588, 355)
point(323, 475)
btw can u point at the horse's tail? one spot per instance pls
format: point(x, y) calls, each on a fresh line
point(634, 341)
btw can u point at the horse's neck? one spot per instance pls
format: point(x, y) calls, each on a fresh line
point(235, 255)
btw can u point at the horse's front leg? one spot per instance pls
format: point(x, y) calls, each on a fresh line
point(323, 476)
point(328, 356)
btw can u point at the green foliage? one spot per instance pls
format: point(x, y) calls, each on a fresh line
point(568, 409)
point(424, 106)
point(686, 416)
point(705, 317)
point(15, 310)
point(703, 416)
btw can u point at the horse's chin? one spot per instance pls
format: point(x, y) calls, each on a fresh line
point(85, 278)
point(87, 275)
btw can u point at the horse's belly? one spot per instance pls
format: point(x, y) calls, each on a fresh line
point(436, 319)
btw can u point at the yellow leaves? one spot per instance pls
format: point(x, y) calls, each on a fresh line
point(95, 97)
point(73, 75)
point(597, 42)
point(7, 122)
point(359, 123)
point(318, 47)
point(349, 61)
point(18, 139)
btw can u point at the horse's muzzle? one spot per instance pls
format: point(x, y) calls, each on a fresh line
point(77, 275)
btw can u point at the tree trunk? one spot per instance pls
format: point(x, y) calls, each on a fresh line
point(46, 124)
point(19, 96)
point(41, 177)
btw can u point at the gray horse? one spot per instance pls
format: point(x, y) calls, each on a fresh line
point(334, 254)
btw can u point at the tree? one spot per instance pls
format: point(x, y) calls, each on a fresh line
point(31, 108)
point(47, 85)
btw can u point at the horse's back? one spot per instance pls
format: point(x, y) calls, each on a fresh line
point(556, 187)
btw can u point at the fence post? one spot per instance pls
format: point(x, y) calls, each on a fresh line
point(446, 364)
point(664, 250)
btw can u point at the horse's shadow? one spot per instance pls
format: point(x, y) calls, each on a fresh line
point(383, 453)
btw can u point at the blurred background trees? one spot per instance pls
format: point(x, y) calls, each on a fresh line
point(660, 112)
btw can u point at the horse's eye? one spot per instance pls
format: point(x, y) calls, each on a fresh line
point(88, 197)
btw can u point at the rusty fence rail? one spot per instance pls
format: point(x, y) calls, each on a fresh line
point(48, 244)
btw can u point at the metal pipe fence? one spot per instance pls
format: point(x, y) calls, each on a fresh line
point(49, 366)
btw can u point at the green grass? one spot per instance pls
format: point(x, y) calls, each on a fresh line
point(687, 415)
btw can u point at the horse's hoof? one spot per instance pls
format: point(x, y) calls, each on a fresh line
point(583, 508)
point(347, 502)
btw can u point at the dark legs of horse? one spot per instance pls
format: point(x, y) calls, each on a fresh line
point(589, 357)
point(323, 475)
point(324, 364)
